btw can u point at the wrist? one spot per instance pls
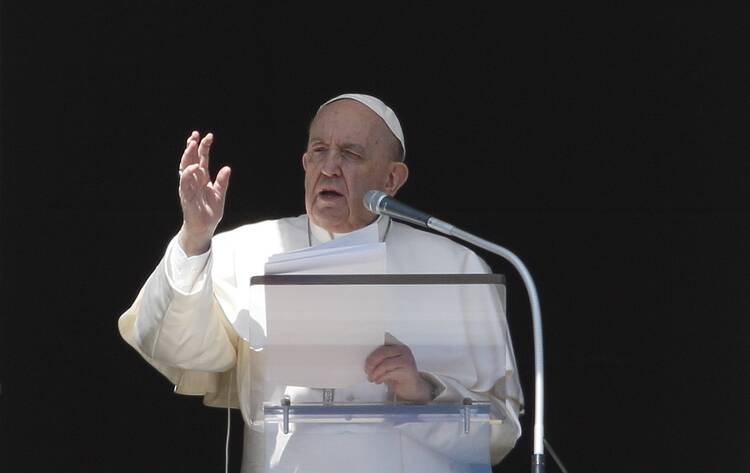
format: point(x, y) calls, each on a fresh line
point(193, 244)
point(427, 389)
point(436, 387)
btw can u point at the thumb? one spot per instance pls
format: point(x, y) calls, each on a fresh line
point(221, 184)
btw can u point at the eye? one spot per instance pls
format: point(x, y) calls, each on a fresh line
point(349, 154)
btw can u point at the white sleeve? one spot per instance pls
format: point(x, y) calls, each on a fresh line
point(185, 271)
point(503, 436)
point(178, 321)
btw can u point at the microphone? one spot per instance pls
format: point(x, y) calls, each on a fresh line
point(381, 203)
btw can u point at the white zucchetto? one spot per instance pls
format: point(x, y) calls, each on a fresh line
point(382, 110)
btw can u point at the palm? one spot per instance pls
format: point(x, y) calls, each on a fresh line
point(202, 204)
point(201, 199)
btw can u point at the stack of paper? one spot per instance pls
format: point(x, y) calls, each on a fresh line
point(320, 335)
point(359, 252)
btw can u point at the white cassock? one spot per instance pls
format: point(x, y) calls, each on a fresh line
point(180, 323)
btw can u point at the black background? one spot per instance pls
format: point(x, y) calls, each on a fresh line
point(606, 145)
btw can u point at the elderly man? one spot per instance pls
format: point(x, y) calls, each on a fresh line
point(180, 321)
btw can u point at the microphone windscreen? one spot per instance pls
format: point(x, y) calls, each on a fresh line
point(371, 199)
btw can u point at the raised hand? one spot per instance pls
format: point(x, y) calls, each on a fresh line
point(201, 199)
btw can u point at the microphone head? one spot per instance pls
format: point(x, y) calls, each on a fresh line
point(372, 199)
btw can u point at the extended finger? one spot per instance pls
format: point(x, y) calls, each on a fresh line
point(221, 184)
point(194, 136)
point(190, 155)
point(204, 148)
point(188, 177)
point(194, 175)
point(202, 178)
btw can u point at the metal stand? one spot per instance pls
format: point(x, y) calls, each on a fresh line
point(286, 405)
point(393, 437)
point(537, 459)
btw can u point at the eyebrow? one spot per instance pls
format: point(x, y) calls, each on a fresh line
point(353, 147)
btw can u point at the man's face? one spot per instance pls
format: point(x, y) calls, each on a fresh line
point(349, 152)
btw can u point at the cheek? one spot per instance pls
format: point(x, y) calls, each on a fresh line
point(310, 176)
point(373, 179)
point(357, 189)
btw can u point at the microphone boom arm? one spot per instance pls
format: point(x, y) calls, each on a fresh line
point(379, 202)
point(537, 465)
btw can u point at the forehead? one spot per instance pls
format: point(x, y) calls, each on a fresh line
point(347, 121)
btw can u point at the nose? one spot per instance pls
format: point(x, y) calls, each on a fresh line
point(332, 163)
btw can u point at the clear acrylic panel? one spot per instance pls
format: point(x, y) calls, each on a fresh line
point(394, 438)
point(316, 331)
point(311, 335)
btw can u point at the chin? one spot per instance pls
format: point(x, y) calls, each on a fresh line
point(330, 223)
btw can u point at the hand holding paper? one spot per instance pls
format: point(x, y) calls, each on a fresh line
point(394, 364)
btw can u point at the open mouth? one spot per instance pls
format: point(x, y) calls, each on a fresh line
point(330, 194)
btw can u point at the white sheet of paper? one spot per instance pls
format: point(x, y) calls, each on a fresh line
point(363, 236)
point(320, 335)
point(358, 259)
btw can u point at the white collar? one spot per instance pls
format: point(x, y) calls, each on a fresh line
point(319, 234)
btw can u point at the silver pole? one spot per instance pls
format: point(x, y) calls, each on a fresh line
point(536, 320)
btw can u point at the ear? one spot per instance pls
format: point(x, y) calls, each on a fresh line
point(304, 161)
point(397, 176)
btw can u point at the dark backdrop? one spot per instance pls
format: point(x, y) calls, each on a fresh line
point(605, 145)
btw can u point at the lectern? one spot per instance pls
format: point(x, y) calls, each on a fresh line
point(381, 434)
